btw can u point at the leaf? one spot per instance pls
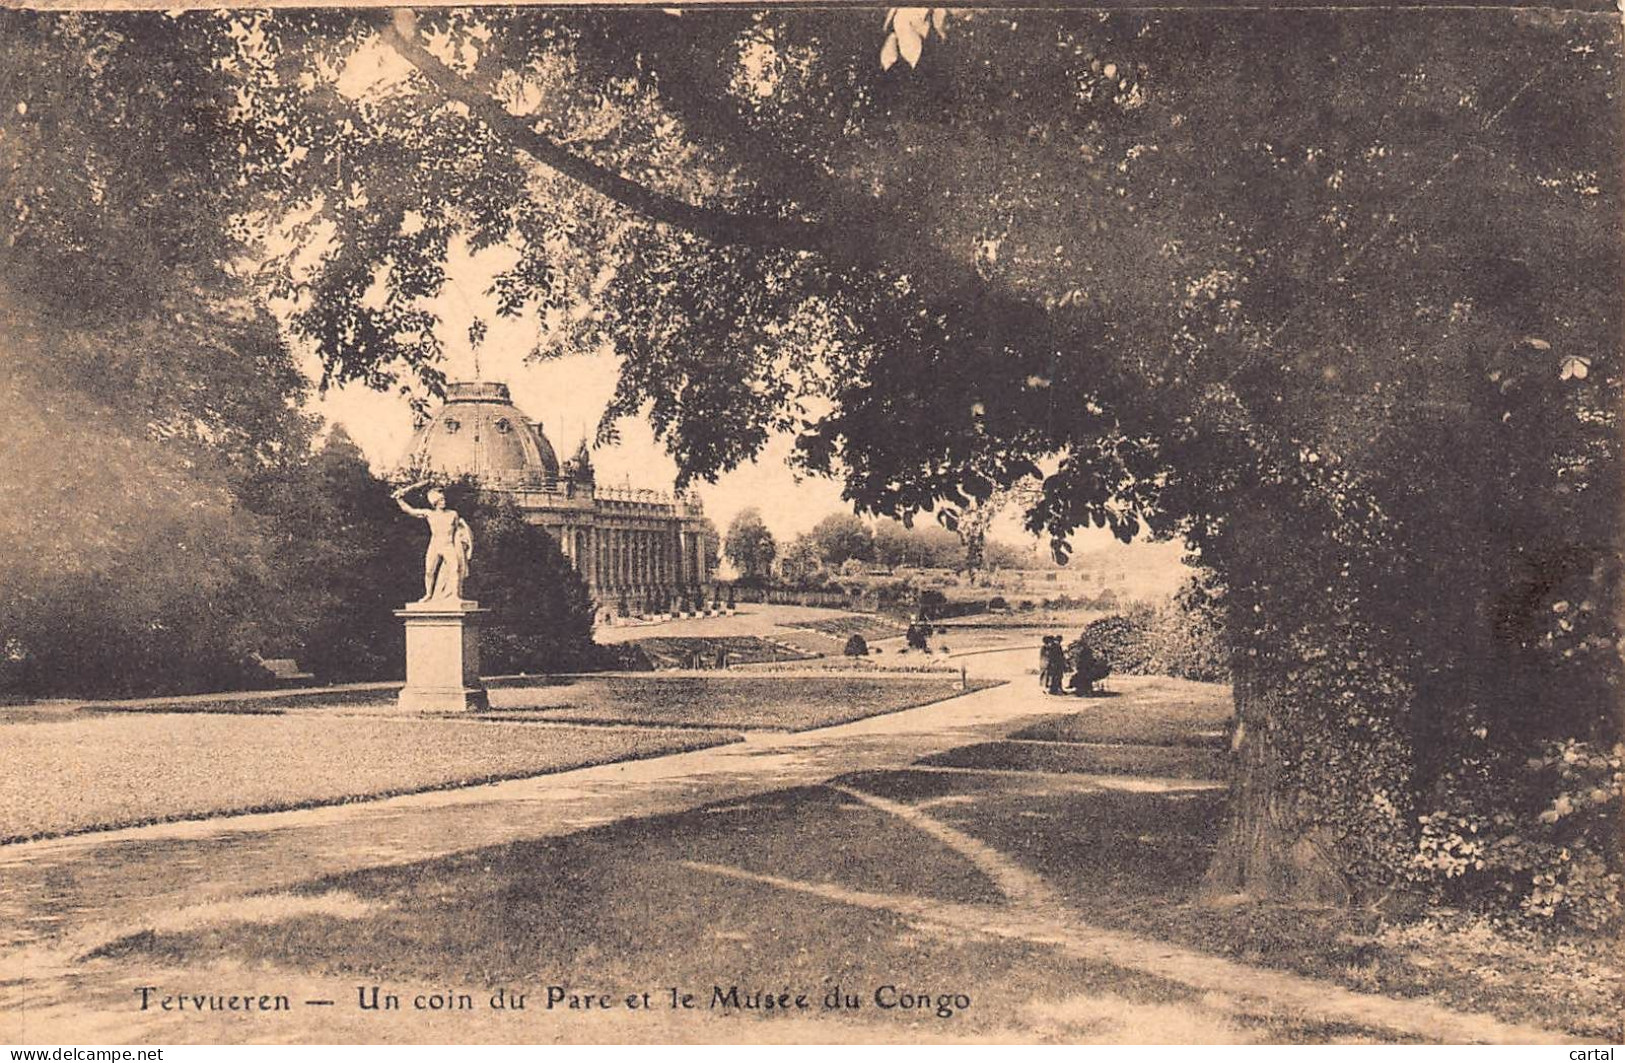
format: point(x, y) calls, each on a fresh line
point(888, 52)
point(909, 43)
point(1575, 366)
point(915, 19)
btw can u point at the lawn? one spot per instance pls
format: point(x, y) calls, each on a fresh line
point(780, 703)
point(757, 892)
point(658, 913)
point(86, 772)
point(677, 652)
point(871, 627)
point(1182, 713)
point(1134, 861)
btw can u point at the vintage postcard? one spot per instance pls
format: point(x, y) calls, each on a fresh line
point(811, 524)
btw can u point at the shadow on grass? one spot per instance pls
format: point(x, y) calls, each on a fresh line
point(1038, 755)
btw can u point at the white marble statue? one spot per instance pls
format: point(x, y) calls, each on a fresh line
point(451, 545)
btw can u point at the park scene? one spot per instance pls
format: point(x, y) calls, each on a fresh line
point(811, 526)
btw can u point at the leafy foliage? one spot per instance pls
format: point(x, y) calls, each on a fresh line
point(1541, 833)
point(843, 537)
point(1151, 640)
point(541, 610)
point(1301, 335)
point(920, 546)
point(750, 545)
point(342, 558)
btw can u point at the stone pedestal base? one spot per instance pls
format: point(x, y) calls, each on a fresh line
point(443, 657)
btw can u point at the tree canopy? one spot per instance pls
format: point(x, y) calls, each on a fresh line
point(749, 545)
point(1242, 277)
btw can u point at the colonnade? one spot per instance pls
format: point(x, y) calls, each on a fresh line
point(646, 567)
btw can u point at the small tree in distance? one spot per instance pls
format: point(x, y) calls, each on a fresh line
point(843, 537)
point(750, 546)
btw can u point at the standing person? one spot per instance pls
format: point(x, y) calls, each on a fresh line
point(1057, 670)
point(1051, 665)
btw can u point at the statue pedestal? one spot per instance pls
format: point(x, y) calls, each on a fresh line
point(443, 656)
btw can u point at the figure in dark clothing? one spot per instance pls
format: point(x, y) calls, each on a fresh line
point(1052, 667)
point(1091, 668)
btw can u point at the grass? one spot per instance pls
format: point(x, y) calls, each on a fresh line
point(1199, 715)
point(675, 652)
point(1060, 621)
point(101, 772)
point(630, 906)
point(1070, 758)
point(745, 702)
point(844, 627)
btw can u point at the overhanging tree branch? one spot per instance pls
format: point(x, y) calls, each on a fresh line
point(843, 243)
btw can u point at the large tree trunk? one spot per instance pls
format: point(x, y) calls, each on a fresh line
point(1270, 849)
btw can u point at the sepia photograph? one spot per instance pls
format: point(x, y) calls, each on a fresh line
point(793, 524)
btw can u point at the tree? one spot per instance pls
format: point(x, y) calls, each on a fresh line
point(843, 537)
point(1000, 554)
point(750, 545)
point(1256, 328)
point(541, 609)
point(800, 559)
point(342, 559)
point(144, 385)
point(920, 546)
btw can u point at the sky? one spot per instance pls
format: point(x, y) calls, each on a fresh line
point(568, 395)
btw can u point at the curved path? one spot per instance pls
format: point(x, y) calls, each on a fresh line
point(66, 898)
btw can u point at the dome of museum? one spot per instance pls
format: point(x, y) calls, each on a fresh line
point(479, 432)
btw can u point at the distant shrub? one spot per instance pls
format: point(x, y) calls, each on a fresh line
point(889, 592)
point(856, 646)
point(1171, 640)
point(997, 602)
point(1088, 666)
point(624, 657)
point(1121, 642)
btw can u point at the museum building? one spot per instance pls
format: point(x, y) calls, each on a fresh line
point(639, 551)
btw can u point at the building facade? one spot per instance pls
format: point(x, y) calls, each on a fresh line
point(639, 551)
